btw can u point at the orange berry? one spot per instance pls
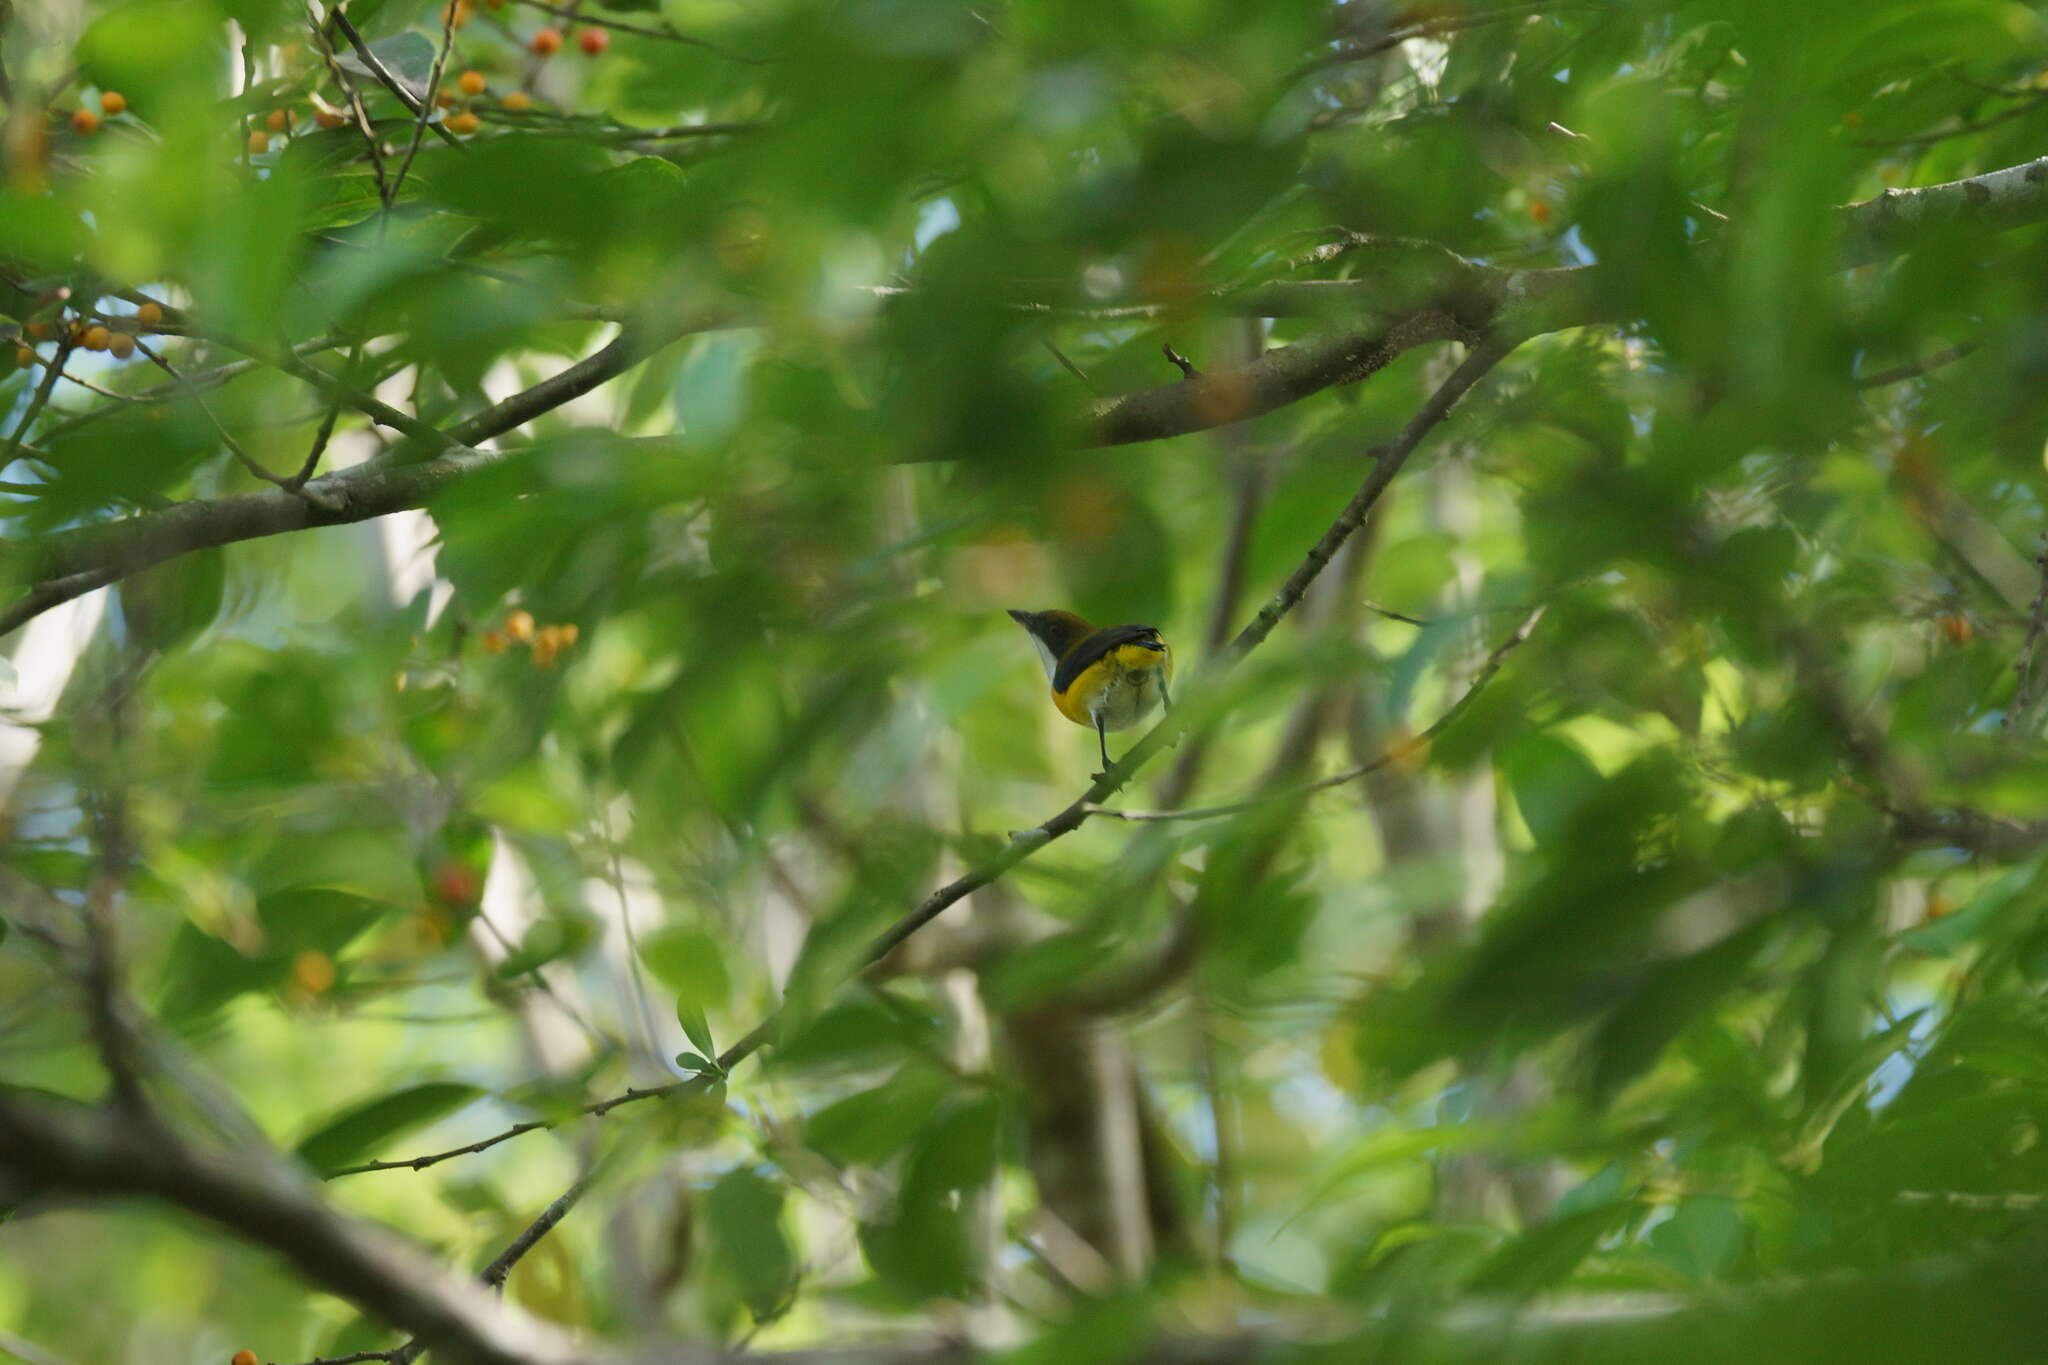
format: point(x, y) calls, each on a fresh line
point(593, 41)
point(314, 971)
point(1539, 211)
point(259, 142)
point(519, 625)
point(517, 100)
point(42, 331)
point(494, 642)
point(243, 1357)
point(120, 345)
point(546, 42)
point(463, 124)
point(471, 82)
point(568, 633)
point(328, 118)
point(457, 13)
point(84, 122)
point(148, 316)
point(113, 102)
point(96, 338)
point(544, 652)
point(445, 98)
point(1956, 628)
point(24, 357)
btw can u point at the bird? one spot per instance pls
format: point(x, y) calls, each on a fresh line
point(1108, 677)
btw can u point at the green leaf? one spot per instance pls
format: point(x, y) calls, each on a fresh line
point(867, 1128)
point(358, 1132)
point(696, 1028)
point(744, 1211)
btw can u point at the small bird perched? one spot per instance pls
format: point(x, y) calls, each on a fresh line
point(1109, 678)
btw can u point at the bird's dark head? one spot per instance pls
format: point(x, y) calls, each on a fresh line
point(1054, 632)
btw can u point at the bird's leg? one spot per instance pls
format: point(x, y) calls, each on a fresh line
point(1102, 739)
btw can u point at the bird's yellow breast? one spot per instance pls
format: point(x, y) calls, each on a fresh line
point(1119, 689)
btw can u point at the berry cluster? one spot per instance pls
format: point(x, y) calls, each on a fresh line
point(519, 628)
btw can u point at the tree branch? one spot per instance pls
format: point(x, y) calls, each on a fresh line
point(62, 1147)
point(1408, 748)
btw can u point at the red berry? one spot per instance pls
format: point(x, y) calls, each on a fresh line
point(456, 884)
point(593, 41)
point(546, 42)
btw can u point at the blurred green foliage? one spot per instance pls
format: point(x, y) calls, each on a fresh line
point(1704, 948)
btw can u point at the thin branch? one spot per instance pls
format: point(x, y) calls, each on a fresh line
point(639, 30)
point(495, 1273)
point(357, 110)
point(383, 74)
point(243, 457)
point(2033, 105)
point(1914, 369)
point(1069, 366)
point(1404, 750)
point(326, 431)
point(35, 404)
point(1474, 367)
point(426, 109)
point(2022, 713)
point(1426, 28)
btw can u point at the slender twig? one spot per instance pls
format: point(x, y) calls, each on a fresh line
point(2022, 711)
point(1178, 361)
point(327, 421)
point(243, 457)
point(357, 109)
point(1482, 358)
point(1407, 749)
point(1426, 28)
point(384, 77)
point(426, 110)
point(203, 379)
point(1914, 369)
point(501, 1265)
point(1392, 615)
point(677, 131)
point(640, 30)
point(2033, 105)
point(1069, 366)
point(35, 404)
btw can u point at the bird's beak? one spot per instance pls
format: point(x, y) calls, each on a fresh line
point(1022, 618)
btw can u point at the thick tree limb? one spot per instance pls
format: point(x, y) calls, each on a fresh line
point(68, 1148)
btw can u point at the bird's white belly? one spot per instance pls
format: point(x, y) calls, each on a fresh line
point(1128, 700)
